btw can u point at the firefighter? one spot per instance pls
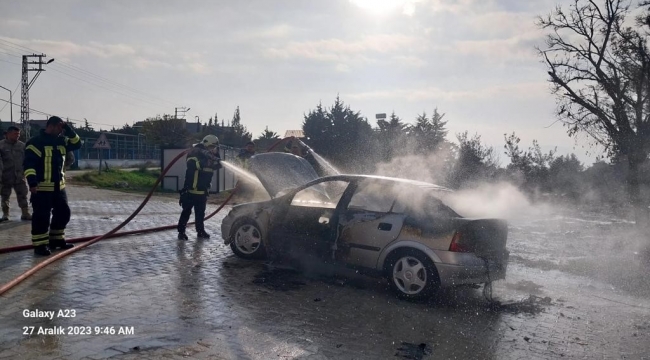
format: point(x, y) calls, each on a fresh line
point(45, 158)
point(293, 147)
point(245, 154)
point(12, 153)
point(202, 161)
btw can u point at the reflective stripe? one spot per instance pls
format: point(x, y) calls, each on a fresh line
point(43, 186)
point(40, 239)
point(198, 163)
point(74, 140)
point(57, 237)
point(49, 188)
point(30, 172)
point(63, 153)
point(196, 179)
point(47, 168)
point(54, 232)
point(196, 192)
point(34, 150)
point(208, 169)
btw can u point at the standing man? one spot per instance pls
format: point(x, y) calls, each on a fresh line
point(246, 153)
point(202, 161)
point(45, 158)
point(12, 154)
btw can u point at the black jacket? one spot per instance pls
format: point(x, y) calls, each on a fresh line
point(44, 162)
point(200, 170)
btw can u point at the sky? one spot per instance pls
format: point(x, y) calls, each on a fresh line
point(117, 62)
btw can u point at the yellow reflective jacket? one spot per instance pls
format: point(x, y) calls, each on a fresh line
point(200, 170)
point(45, 160)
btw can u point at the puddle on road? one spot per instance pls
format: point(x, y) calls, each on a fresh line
point(532, 305)
point(525, 286)
point(238, 264)
point(279, 279)
point(413, 351)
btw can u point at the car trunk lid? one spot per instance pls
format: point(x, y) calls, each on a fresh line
point(279, 172)
point(486, 238)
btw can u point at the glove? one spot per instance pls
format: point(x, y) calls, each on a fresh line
point(67, 130)
point(183, 192)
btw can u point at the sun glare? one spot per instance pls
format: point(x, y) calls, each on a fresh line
point(381, 7)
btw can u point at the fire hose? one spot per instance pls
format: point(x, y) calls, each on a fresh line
point(89, 240)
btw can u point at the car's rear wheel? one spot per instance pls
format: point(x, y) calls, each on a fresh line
point(246, 240)
point(412, 274)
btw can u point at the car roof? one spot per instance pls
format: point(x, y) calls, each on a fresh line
point(380, 179)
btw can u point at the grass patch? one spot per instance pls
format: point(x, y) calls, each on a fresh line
point(138, 180)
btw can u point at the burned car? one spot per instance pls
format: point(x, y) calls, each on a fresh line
point(394, 227)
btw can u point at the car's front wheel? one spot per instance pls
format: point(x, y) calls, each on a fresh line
point(412, 274)
point(246, 240)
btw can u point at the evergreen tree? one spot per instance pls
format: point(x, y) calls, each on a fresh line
point(391, 137)
point(237, 135)
point(266, 139)
point(339, 134)
point(317, 127)
point(428, 134)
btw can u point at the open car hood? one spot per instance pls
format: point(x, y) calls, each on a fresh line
point(279, 172)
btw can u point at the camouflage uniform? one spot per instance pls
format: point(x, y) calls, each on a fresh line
point(11, 168)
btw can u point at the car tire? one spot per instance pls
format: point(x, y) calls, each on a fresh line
point(411, 274)
point(246, 240)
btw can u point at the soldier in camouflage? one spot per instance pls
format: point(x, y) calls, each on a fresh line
point(12, 153)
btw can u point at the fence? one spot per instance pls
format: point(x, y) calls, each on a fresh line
point(123, 147)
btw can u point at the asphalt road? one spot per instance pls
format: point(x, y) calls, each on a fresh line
point(570, 293)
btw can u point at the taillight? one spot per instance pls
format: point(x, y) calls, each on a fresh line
point(455, 246)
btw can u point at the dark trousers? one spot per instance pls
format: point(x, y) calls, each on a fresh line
point(46, 203)
point(189, 201)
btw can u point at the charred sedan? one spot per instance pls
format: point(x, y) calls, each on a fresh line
point(395, 227)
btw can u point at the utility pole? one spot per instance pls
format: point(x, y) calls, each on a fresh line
point(26, 85)
point(181, 110)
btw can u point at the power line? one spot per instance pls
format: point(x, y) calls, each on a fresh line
point(16, 89)
point(16, 46)
point(11, 62)
point(49, 114)
point(105, 88)
point(10, 54)
point(74, 68)
point(86, 72)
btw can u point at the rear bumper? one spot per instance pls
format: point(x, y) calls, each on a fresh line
point(463, 268)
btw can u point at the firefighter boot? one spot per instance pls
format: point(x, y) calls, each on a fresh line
point(5, 214)
point(202, 234)
point(26, 215)
point(42, 250)
point(182, 236)
point(61, 244)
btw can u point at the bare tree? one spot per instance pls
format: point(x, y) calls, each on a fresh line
point(599, 67)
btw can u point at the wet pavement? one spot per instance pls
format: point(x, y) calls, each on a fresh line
point(576, 288)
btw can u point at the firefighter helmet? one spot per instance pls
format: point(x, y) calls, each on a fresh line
point(210, 140)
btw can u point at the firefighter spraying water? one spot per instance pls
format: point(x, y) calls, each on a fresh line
point(202, 161)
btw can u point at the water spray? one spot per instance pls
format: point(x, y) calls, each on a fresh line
point(329, 168)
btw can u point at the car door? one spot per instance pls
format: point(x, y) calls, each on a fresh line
point(367, 225)
point(303, 225)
